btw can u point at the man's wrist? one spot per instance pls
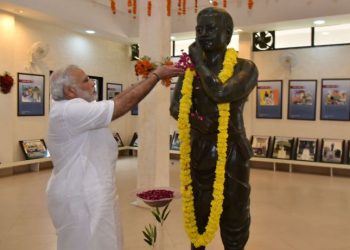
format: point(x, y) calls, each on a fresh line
point(156, 75)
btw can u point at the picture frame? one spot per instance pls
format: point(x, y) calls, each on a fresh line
point(134, 140)
point(306, 149)
point(98, 80)
point(34, 149)
point(118, 139)
point(260, 145)
point(113, 89)
point(302, 99)
point(283, 147)
point(135, 110)
point(175, 142)
point(348, 151)
point(269, 99)
point(30, 94)
point(332, 150)
point(335, 102)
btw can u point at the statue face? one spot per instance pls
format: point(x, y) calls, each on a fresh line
point(211, 32)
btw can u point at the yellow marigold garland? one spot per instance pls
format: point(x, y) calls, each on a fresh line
point(185, 156)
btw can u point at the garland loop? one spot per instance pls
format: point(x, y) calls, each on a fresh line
point(185, 151)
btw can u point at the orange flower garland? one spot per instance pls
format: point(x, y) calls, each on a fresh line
point(113, 7)
point(129, 6)
point(168, 8)
point(179, 4)
point(250, 4)
point(183, 7)
point(149, 8)
point(134, 8)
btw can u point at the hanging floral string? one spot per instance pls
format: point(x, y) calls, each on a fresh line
point(149, 7)
point(179, 7)
point(183, 7)
point(250, 4)
point(113, 7)
point(168, 7)
point(129, 6)
point(134, 8)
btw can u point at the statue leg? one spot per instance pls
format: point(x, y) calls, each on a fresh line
point(235, 219)
point(203, 162)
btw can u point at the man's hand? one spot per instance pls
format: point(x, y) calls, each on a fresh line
point(196, 53)
point(167, 71)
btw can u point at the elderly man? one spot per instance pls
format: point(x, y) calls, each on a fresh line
point(215, 177)
point(82, 198)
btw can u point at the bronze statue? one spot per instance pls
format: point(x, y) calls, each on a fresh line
point(213, 34)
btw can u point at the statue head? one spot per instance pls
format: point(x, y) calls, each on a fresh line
point(214, 29)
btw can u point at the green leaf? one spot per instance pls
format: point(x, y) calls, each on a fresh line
point(156, 215)
point(155, 234)
point(164, 210)
point(148, 242)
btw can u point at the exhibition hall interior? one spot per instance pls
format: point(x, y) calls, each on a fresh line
point(296, 118)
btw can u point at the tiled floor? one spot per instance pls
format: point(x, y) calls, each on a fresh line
point(289, 212)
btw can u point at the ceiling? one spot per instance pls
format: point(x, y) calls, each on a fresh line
point(79, 15)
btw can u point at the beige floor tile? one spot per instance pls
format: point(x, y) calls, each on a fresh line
point(289, 212)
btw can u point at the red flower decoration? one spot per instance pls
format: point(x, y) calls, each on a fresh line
point(6, 83)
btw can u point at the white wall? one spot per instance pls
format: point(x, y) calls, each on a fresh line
point(96, 56)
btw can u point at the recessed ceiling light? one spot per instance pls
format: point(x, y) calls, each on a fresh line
point(90, 31)
point(237, 30)
point(172, 38)
point(319, 22)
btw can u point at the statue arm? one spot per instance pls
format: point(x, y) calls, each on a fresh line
point(175, 101)
point(237, 87)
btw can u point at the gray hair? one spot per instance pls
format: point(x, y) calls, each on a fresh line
point(60, 78)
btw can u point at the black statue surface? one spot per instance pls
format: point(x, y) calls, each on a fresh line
point(213, 34)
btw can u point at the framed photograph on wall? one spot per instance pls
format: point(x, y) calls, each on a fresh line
point(113, 89)
point(175, 142)
point(306, 149)
point(283, 147)
point(98, 80)
point(134, 140)
point(34, 149)
point(118, 139)
point(332, 150)
point(260, 145)
point(302, 99)
point(30, 95)
point(335, 104)
point(269, 99)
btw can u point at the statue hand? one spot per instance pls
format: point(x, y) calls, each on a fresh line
point(196, 53)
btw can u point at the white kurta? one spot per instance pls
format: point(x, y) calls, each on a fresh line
point(82, 198)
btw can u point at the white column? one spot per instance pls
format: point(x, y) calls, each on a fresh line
point(7, 108)
point(245, 51)
point(154, 118)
